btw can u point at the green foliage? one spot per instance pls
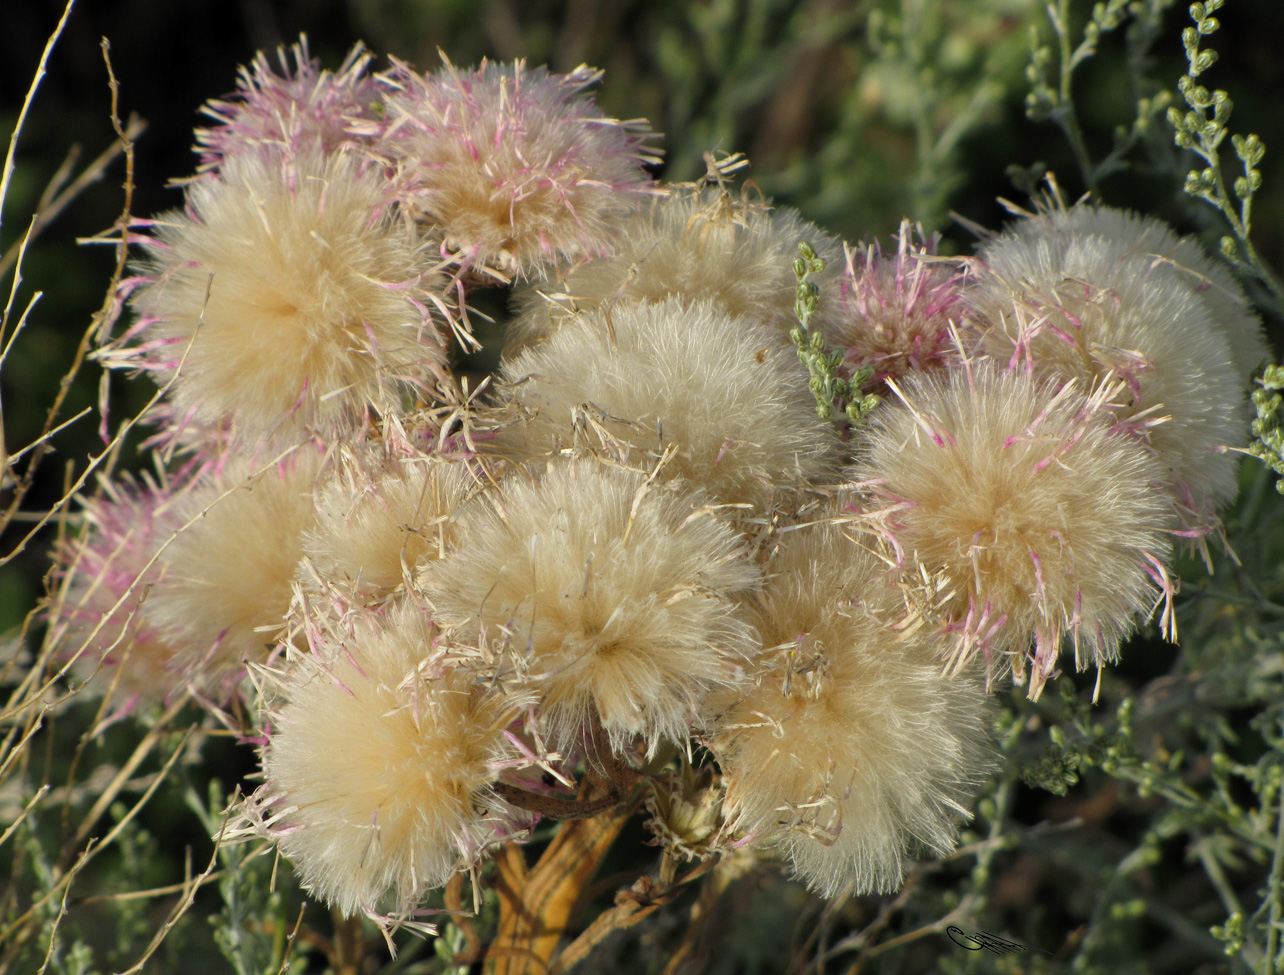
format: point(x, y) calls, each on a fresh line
point(106, 932)
point(1268, 428)
point(942, 71)
point(252, 926)
point(826, 384)
point(1051, 76)
point(1202, 129)
point(1198, 754)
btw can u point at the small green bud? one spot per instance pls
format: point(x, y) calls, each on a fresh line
point(1232, 932)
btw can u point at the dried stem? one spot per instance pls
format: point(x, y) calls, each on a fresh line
point(536, 904)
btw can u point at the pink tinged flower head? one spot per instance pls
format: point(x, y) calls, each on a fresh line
point(108, 572)
point(1039, 517)
point(720, 399)
point(852, 749)
point(378, 520)
point(226, 579)
point(300, 110)
point(897, 311)
point(288, 300)
point(1091, 308)
point(381, 766)
point(1178, 261)
point(517, 168)
point(696, 246)
point(613, 593)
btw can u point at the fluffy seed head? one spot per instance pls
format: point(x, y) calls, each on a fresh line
point(108, 572)
point(614, 594)
point(852, 747)
point(1179, 262)
point(291, 298)
point(723, 393)
point(301, 109)
point(896, 310)
point(516, 167)
point(226, 580)
point(1041, 517)
point(695, 246)
point(380, 768)
point(378, 520)
point(1090, 308)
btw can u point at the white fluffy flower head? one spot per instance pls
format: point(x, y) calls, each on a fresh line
point(853, 747)
point(381, 766)
point(614, 594)
point(288, 299)
point(722, 394)
point(1041, 517)
point(515, 168)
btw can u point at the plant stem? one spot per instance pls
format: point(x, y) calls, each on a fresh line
point(1065, 114)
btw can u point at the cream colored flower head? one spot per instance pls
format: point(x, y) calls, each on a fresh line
point(1179, 262)
point(514, 168)
point(380, 768)
point(1040, 517)
point(1090, 308)
point(379, 518)
point(696, 246)
point(852, 749)
point(286, 300)
point(612, 594)
point(720, 398)
point(226, 580)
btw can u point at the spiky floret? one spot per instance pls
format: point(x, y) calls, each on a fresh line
point(694, 245)
point(107, 572)
point(380, 769)
point(1088, 307)
point(1178, 262)
point(226, 579)
point(300, 109)
point(1041, 518)
point(516, 167)
point(722, 394)
point(897, 311)
point(290, 297)
point(852, 747)
point(379, 519)
point(612, 594)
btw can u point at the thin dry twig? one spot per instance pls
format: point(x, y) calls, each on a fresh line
point(98, 324)
point(57, 197)
point(190, 888)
